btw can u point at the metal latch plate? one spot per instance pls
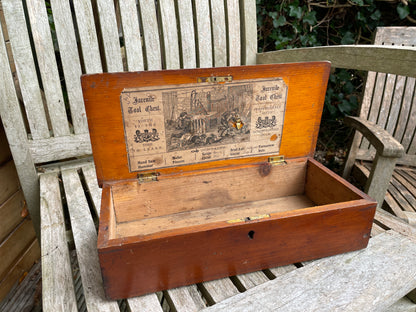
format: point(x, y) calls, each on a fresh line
point(277, 160)
point(216, 79)
point(147, 177)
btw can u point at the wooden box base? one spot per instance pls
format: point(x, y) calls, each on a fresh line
point(200, 226)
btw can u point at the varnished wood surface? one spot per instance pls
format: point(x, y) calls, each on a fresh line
point(207, 249)
point(306, 82)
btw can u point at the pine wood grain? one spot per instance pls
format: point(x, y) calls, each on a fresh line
point(15, 244)
point(9, 182)
point(22, 265)
point(10, 213)
point(214, 189)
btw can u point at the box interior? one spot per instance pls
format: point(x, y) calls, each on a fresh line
point(222, 195)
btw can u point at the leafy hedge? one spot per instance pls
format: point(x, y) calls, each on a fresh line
point(289, 24)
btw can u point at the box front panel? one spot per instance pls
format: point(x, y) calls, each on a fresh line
point(144, 267)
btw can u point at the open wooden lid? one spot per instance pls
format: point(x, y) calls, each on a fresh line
point(174, 121)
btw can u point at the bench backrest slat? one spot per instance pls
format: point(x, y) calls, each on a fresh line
point(25, 68)
point(110, 35)
point(48, 68)
point(132, 38)
point(390, 100)
point(71, 64)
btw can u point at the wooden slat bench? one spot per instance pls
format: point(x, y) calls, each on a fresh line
point(372, 279)
point(42, 109)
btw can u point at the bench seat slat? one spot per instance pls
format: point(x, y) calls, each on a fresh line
point(91, 181)
point(57, 283)
point(85, 238)
point(203, 33)
point(379, 271)
point(220, 289)
point(48, 68)
point(148, 303)
point(185, 299)
point(25, 68)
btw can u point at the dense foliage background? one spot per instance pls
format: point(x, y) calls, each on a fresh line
point(290, 24)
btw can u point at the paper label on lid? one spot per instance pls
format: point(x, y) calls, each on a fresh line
point(175, 125)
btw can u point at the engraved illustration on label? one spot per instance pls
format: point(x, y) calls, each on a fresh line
point(192, 123)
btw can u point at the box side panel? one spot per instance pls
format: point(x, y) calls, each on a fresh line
point(325, 187)
point(139, 268)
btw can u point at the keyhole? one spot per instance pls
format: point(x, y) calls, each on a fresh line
point(251, 234)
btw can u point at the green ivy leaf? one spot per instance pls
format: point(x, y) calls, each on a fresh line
point(348, 38)
point(310, 18)
point(358, 2)
point(361, 17)
point(295, 11)
point(281, 21)
point(402, 10)
point(376, 15)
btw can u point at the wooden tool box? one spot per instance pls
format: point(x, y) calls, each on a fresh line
point(195, 184)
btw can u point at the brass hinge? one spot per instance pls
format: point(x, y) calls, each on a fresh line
point(277, 160)
point(147, 177)
point(217, 79)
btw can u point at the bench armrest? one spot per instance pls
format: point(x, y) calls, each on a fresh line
point(396, 60)
point(383, 142)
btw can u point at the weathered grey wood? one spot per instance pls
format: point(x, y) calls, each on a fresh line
point(388, 59)
point(57, 283)
point(15, 130)
point(91, 181)
point(371, 279)
point(186, 26)
point(249, 280)
point(131, 35)
point(409, 141)
point(25, 68)
point(407, 159)
point(170, 34)
point(48, 68)
point(185, 299)
point(384, 143)
point(60, 148)
point(71, 64)
point(234, 32)
point(220, 289)
point(145, 303)
point(249, 32)
point(109, 32)
point(406, 106)
point(150, 34)
point(88, 36)
point(379, 178)
point(282, 270)
point(396, 224)
point(85, 238)
point(203, 30)
point(218, 33)
point(396, 105)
